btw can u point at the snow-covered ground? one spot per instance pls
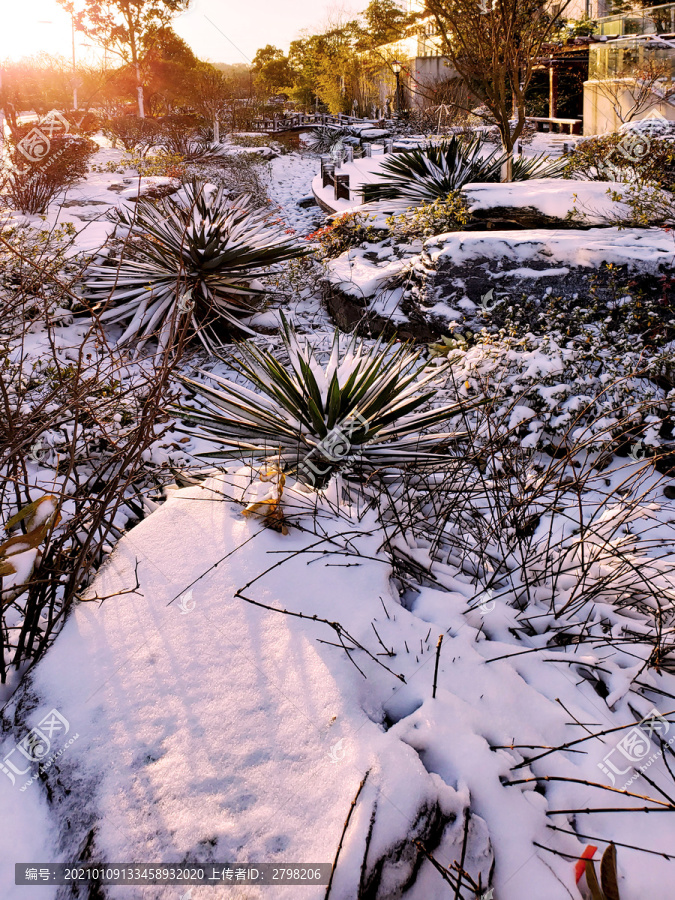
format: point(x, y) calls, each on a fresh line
point(209, 728)
point(229, 708)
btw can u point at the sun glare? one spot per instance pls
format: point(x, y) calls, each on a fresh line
point(39, 26)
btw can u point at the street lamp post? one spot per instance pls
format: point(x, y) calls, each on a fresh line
point(72, 29)
point(396, 67)
point(2, 112)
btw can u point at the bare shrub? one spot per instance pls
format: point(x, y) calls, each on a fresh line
point(78, 422)
point(31, 186)
point(131, 131)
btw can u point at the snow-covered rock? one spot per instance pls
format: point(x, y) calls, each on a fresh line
point(472, 266)
point(545, 201)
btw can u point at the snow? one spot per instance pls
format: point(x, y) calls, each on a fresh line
point(210, 728)
point(360, 171)
point(354, 274)
point(560, 198)
point(648, 247)
point(290, 176)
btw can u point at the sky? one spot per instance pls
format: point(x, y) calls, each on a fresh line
point(217, 30)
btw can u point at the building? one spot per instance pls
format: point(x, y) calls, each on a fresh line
point(624, 70)
point(631, 68)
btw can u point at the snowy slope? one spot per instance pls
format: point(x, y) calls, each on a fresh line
point(213, 729)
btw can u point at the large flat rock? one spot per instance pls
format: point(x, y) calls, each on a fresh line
point(464, 266)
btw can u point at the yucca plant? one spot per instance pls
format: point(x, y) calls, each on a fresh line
point(196, 254)
point(432, 172)
point(540, 166)
point(361, 409)
point(324, 138)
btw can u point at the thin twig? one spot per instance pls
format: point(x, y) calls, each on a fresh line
point(342, 836)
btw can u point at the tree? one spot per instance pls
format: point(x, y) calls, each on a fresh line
point(125, 27)
point(277, 75)
point(383, 22)
point(265, 55)
point(638, 89)
point(169, 70)
point(304, 60)
point(494, 46)
point(211, 94)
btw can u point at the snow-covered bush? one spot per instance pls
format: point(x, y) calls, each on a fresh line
point(196, 255)
point(362, 408)
point(444, 214)
point(132, 132)
point(79, 427)
point(236, 173)
point(652, 126)
point(351, 229)
point(183, 135)
point(631, 156)
point(548, 394)
point(30, 259)
point(620, 310)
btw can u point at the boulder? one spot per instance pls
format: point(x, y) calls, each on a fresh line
point(547, 203)
point(467, 269)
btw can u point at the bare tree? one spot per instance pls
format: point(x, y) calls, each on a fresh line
point(638, 90)
point(211, 95)
point(494, 45)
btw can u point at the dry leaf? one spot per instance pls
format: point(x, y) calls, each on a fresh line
point(270, 509)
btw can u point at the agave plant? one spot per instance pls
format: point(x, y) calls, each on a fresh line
point(432, 172)
point(197, 255)
point(361, 409)
point(326, 137)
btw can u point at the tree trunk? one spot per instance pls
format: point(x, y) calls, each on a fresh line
point(507, 147)
point(216, 130)
point(135, 63)
point(139, 91)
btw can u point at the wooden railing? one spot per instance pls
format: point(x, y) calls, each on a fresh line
point(305, 120)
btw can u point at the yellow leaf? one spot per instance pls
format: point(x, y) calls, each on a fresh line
point(270, 509)
point(6, 568)
point(30, 513)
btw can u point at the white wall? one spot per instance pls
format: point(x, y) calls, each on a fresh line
point(599, 116)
